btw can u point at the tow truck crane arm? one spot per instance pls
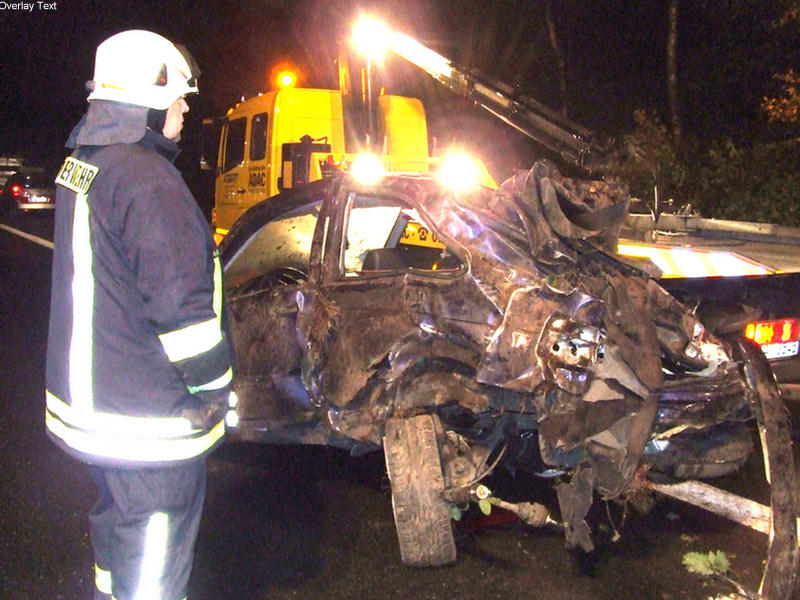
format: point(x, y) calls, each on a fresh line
point(573, 142)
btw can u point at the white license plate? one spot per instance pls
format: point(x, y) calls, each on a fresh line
point(784, 350)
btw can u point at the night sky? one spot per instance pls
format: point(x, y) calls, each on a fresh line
point(614, 53)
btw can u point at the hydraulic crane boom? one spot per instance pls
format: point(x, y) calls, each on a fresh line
point(557, 133)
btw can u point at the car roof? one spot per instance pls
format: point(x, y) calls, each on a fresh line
point(25, 170)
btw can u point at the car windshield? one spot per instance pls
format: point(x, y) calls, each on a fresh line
point(488, 223)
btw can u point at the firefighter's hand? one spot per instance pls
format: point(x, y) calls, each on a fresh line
point(208, 411)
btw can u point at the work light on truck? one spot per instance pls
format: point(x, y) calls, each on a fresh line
point(367, 168)
point(370, 37)
point(459, 172)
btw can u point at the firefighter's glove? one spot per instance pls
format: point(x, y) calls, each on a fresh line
point(209, 409)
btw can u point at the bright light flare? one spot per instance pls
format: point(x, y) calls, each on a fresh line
point(286, 79)
point(231, 419)
point(370, 37)
point(283, 75)
point(459, 172)
point(422, 56)
point(694, 262)
point(367, 168)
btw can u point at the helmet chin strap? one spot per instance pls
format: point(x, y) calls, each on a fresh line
point(156, 119)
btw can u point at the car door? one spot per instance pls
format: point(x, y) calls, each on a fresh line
point(378, 274)
point(266, 262)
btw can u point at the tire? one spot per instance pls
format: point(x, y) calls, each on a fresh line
point(421, 514)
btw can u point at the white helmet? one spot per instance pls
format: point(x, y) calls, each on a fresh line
point(142, 68)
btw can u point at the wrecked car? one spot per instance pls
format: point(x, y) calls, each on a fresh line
point(457, 331)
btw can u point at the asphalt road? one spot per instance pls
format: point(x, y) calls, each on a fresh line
point(312, 523)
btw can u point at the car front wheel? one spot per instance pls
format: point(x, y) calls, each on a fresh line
point(421, 514)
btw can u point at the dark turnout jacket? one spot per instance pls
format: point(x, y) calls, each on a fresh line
point(139, 363)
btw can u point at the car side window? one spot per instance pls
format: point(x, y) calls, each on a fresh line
point(258, 137)
point(234, 144)
point(278, 252)
point(385, 234)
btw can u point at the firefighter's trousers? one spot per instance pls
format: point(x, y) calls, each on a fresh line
point(143, 529)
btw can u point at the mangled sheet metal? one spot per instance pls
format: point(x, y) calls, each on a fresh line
point(581, 330)
point(583, 346)
point(526, 325)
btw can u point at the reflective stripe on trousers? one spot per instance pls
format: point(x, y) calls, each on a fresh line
point(144, 527)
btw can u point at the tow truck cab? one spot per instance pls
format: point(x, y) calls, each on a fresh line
point(290, 136)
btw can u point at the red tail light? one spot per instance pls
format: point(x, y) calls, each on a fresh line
point(335, 163)
point(773, 332)
point(16, 190)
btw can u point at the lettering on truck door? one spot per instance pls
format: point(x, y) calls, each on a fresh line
point(257, 165)
point(231, 182)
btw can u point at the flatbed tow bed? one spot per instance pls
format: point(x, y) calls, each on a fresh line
point(772, 245)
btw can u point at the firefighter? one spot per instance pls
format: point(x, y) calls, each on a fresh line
point(139, 363)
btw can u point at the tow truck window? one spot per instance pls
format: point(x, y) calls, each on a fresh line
point(258, 137)
point(234, 144)
point(384, 234)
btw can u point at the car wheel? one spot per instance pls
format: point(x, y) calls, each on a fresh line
point(421, 514)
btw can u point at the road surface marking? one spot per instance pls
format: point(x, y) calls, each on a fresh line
point(28, 236)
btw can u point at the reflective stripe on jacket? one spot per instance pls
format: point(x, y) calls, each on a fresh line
point(139, 362)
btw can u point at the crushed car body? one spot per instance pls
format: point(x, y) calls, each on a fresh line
point(467, 324)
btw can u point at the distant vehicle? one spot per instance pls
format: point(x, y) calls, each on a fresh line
point(8, 166)
point(29, 189)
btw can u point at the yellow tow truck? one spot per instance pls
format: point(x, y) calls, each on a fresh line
point(293, 135)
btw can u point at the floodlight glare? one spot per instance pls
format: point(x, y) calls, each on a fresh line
point(367, 168)
point(459, 172)
point(370, 37)
point(426, 59)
